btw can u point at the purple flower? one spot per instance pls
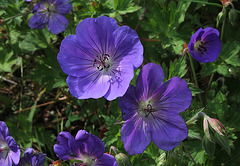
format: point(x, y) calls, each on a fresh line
point(151, 111)
point(100, 59)
point(51, 12)
point(85, 147)
point(33, 158)
point(9, 149)
point(205, 45)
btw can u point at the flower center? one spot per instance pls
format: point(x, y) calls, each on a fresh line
point(4, 149)
point(102, 61)
point(49, 8)
point(88, 161)
point(200, 46)
point(146, 109)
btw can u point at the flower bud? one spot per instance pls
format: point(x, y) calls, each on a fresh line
point(122, 160)
point(226, 2)
point(215, 124)
point(232, 16)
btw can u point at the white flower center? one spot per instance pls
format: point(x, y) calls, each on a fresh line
point(4, 149)
point(88, 160)
point(102, 62)
point(146, 109)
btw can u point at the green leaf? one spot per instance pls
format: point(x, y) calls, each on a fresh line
point(193, 134)
point(31, 42)
point(48, 72)
point(194, 89)
point(209, 147)
point(123, 7)
point(223, 70)
point(229, 49)
point(197, 152)
point(177, 68)
point(233, 60)
point(223, 141)
point(230, 52)
point(7, 60)
point(208, 69)
point(130, 9)
point(113, 130)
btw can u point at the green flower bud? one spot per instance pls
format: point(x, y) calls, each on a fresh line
point(122, 160)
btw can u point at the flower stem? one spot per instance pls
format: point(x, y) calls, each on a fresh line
point(49, 159)
point(194, 76)
point(224, 22)
point(210, 81)
point(20, 14)
point(195, 117)
point(186, 149)
point(221, 38)
point(112, 148)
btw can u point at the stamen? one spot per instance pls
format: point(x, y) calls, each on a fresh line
point(200, 47)
point(101, 62)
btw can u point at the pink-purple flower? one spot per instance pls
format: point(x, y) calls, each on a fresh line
point(205, 45)
point(32, 158)
point(51, 12)
point(85, 147)
point(9, 149)
point(100, 59)
point(151, 111)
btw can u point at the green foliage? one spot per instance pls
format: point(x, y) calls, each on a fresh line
point(114, 131)
point(33, 41)
point(177, 68)
point(163, 22)
point(36, 104)
point(7, 60)
point(228, 58)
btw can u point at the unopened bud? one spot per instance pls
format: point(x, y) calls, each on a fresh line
point(232, 16)
point(226, 2)
point(122, 160)
point(215, 124)
point(220, 18)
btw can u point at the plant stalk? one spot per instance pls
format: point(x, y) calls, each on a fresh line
point(194, 76)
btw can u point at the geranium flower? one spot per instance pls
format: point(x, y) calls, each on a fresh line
point(205, 45)
point(32, 157)
point(100, 59)
point(51, 12)
point(151, 111)
point(86, 148)
point(9, 149)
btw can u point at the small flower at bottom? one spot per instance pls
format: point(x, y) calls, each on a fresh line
point(151, 111)
point(100, 59)
point(205, 45)
point(86, 148)
point(9, 149)
point(32, 157)
point(51, 12)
